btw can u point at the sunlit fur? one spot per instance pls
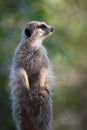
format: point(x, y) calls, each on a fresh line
point(31, 80)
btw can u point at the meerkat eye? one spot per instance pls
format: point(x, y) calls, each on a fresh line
point(42, 26)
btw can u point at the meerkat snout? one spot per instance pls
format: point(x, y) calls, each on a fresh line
point(37, 30)
point(52, 29)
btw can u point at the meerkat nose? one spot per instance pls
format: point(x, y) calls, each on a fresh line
point(52, 29)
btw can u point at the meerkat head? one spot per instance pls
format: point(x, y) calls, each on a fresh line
point(37, 30)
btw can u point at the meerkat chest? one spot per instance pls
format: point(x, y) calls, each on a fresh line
point(38, 59)
point(31, 59)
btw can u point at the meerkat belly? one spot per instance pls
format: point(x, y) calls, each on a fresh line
point(35, 65)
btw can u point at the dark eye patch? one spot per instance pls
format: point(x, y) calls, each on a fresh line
point(42, 26)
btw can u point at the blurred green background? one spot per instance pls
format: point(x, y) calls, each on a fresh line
point(67, 49)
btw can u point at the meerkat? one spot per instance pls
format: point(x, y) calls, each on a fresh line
point(31, 79)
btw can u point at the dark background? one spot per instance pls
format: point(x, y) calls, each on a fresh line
point(67, 49)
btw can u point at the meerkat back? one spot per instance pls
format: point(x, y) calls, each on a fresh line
point(31, 80)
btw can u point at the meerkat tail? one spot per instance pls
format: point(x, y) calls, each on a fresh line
point(21, 73)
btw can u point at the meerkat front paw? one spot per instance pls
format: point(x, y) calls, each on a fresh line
point(43, 76)
point(22, 75)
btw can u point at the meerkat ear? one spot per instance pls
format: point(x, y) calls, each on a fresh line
point(28, 32)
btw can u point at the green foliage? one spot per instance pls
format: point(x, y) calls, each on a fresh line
point(67, 48)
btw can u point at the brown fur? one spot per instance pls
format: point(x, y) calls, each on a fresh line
point(31, 80)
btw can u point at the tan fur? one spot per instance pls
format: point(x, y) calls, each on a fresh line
point(43, 76)
point(21, 73)
point(31, 80)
